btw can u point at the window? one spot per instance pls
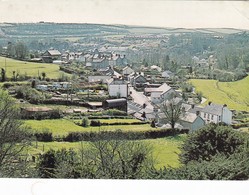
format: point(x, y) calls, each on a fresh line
point(208, 116)
point(219, 118)
point(204, 115)
point(212, 117)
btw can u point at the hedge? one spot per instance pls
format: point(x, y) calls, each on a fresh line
point(122, 135)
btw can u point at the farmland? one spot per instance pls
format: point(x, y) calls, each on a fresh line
point(234, 94)
point(30, 69)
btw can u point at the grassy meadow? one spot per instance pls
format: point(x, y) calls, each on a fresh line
point(62, 127)
point(30, 68)
point(234, 94)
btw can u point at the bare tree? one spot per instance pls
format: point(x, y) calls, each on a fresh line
point(117, 159)
point(12, 136)
point(172, 110)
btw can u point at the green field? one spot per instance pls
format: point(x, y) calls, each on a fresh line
point(30, 69)
point(63, 126)
point(234, 94)
point(164, 150)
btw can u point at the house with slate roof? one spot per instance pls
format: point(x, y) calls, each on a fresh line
point(118, 88)
point(191, 121)
point(216, 113)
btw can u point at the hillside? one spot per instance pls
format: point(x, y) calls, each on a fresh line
point(234, 94)
point(30, 69)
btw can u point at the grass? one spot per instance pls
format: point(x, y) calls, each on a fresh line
point(164, 150)
point(30, 69)
point(234, 94)
point(62, 127)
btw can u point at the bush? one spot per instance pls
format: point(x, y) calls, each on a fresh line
point(210, 141)
point(44, 136)
point(85, 122)
point(95, 123)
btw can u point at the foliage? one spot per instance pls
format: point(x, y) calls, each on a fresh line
point(122, 135)
point(44, 136)
point(221, 167)
point(172, 111)
point(29, 94)
point(13, 138)
point(210, 141)
point(85, 122)
point(95, 123)
point(52, 164)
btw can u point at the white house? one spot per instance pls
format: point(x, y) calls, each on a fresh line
point(118, 88)
point(164, 92)
point(215, 113)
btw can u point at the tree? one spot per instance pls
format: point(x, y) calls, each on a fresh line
point(172, 111)
point(85, 122)
point(43, 75)
point(117, 159)
point(21, 50)
point(3, 75)
point(210, 141)
point(13, 138)
point(221, 167)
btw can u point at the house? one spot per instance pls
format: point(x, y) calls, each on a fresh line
point(191, 121)
point(118, 60)
point(99, 79)
point(127, 71)
point(98, 63)
point(155, 67)
point(120, 104)
point(216, 113)
point(137, 80)
point(164, 92)
point(51, 55)
point(118, 88)
point(167, 74)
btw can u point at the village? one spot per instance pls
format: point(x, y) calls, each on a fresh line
point(140, 93)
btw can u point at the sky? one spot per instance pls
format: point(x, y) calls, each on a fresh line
point(161, 13)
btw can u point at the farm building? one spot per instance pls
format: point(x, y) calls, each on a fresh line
point(120, 104)
point(51, 55)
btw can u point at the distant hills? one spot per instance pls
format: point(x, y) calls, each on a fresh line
point(43, 29)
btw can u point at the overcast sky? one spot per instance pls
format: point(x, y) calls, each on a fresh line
point(190, 14)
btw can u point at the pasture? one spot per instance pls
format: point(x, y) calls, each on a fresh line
point(234, 94)
point(60, 127)
point(30, 69)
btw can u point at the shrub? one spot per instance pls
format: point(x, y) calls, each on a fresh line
point(85, 122)
point(44, 136)
point(209, 141)
point(95, 123)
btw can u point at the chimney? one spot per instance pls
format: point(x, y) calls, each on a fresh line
point(209, 103)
